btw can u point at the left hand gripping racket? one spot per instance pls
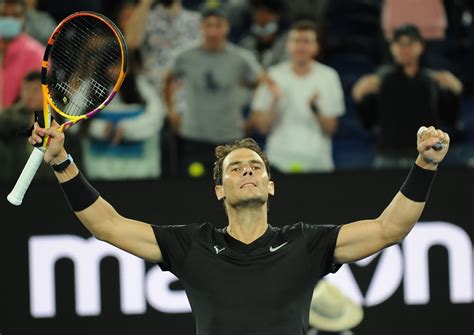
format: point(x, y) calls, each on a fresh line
point(83, 68)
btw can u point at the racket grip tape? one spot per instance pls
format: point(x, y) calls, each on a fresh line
point(18, 192)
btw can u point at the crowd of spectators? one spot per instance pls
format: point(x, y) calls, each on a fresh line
point(321, 85)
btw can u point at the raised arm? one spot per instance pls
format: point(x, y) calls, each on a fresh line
point(98, 216)
point(367, 84)
point(135, 32)
point(446, 80)
point(171, 85)
point(265, 105)
point(360, 239)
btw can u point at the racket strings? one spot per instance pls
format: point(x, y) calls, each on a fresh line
point(97, 83)
point(91, 51)
point(84, 65)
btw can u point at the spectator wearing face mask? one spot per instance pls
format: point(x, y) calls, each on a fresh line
point(19, 52)
point(267, 36)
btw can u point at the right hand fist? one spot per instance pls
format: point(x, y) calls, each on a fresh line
point(427, 138)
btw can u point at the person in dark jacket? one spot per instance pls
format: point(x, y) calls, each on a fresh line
point(399, 98)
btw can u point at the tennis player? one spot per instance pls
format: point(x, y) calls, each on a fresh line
point(249, 277)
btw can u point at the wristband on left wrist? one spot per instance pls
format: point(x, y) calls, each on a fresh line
point(60, 167)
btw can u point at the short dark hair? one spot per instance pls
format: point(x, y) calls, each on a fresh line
point(305, 25)
point(14, 2)
point(32, 76)
point(409, 30)
point(217, 11)
point(223, 150)
point(274, 6)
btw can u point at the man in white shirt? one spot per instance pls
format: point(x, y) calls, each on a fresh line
point(300, 116)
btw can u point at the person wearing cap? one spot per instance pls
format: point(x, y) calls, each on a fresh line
point(401, 97)
point(19, 52)
point(331, 312)
point(212, 73)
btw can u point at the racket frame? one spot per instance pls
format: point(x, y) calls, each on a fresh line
point(44, 70)
point(15, 197)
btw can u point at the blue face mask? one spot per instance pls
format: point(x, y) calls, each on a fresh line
point(10, 27)
point(267, 30)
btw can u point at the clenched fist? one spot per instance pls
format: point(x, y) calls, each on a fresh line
point(432, 145)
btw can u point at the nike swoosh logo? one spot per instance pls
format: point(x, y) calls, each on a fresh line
point(272, 249)
point(216, 248)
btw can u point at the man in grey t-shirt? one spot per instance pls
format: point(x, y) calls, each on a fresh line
point(212, 73)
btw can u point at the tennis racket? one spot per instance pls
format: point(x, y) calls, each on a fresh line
point(83, 68)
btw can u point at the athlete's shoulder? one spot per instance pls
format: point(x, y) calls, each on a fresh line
point(292, 231)
point(208, 229)
point(203, 226)
point(197, 230)
point(304, 227)
point(292, 226)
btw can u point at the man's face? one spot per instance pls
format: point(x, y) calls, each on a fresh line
point(245, 181)
point(406, 50)
point(302, 45)
point(31, 95)
point(214, 31)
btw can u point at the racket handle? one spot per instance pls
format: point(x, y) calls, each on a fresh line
point(16, 195)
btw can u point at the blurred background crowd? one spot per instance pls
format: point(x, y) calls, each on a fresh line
point(321, 85)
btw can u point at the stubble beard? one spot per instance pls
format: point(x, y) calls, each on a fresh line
point(249, 203)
